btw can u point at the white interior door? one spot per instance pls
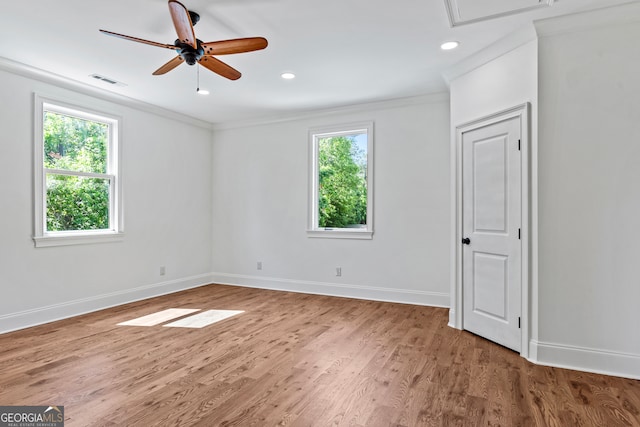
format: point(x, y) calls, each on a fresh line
point(491, 223)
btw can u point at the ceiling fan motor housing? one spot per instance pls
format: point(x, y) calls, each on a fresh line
point(194, 16)
point(188, 53)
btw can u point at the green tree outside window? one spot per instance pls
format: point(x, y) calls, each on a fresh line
point(75, 151)
point(342, 182)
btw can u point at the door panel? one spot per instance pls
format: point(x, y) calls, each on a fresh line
point(489, 194)
point(491, 220)
point(490, 285)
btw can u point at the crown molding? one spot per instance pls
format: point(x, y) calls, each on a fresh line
point(24, 70)
point(433, 98)
point(44, 76)
point(501, 47)
point(625, 13)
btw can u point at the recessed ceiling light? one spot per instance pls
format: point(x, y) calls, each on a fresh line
point(288, 76)
point(449, 45)
point(202, 91)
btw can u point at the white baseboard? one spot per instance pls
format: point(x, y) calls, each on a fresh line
point(585, 359)
point(405, 296)
point(38, 316)
point(452, 319)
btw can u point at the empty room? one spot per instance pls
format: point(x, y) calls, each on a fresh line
point(270, 213)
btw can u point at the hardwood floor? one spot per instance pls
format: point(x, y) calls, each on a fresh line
point(295, 360)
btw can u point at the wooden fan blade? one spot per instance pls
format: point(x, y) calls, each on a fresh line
point(169, 66)
point(220, 67)
point(182, 22)
point(225, 47)
point(136, 39)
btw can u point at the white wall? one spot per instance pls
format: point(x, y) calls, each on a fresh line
point(490, 85)
point(581, 76)
point(589, 198)
point(167, 214)
point(502, 83)
point(260, 178)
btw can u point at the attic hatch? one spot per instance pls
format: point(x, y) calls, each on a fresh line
point(468, 11)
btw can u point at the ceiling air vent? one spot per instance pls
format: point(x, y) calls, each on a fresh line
point(107, 80)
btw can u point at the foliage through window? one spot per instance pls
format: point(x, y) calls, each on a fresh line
point(341, 183)
point(76, 191)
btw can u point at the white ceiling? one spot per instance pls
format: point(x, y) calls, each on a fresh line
point(343, 52)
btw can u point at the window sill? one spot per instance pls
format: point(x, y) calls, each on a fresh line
point(68, 239)
point(341, 233)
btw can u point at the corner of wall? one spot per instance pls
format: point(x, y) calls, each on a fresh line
point(41, 315)
point(501, 47)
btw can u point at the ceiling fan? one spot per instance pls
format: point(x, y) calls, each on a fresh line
point(192, 50)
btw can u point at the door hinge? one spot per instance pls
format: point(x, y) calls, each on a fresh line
point(519, 238)
point(519, 141)
point(518, 323)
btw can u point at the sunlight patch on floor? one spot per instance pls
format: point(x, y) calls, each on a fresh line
point(203, 319)
point(159, 317)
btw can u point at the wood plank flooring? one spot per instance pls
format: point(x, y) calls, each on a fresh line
point(295, 360)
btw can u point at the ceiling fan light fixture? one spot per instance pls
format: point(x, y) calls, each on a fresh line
point(449, 45)
point(288, 76)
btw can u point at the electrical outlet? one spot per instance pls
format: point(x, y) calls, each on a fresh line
point(163, 270)
point(259, 266)
point(338, 271)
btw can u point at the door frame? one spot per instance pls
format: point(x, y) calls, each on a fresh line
point(522, 112)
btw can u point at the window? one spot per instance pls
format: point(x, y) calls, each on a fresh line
point(341, 181)
point(77, 185)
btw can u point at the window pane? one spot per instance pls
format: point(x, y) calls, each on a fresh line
point(74, 144)
point(342, 181)
point(77, 203)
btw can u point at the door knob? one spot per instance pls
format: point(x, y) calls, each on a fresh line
point(466, 241)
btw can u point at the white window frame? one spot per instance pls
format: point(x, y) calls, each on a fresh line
point(115, 232)
point(315, 134)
